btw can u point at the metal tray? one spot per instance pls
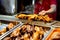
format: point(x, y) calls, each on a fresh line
point(4, 24)
point(57, 24)
point(35, 25)
point(45, 36)
point(39, 23)
point(51, 32)
point(10, 31)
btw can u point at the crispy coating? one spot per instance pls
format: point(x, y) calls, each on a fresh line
point(35, 17)
point(3, 31)
point(15, 33)
point(11, 25)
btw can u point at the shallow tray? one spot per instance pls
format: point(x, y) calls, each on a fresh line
point(52, 33)
point(39, 23)
point(4, 24)
point(44, 33)
point(56, 24)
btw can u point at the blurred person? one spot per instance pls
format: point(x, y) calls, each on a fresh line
point(43, 7)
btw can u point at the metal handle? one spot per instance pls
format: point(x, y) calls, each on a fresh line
point(11, 30)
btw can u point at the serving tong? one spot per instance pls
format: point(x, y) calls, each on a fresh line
point(11, 30)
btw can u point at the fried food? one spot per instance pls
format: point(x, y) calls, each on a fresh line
point(26, 37)
point(11, 25)
point(35, 17)
point(32, 17)
point(27, 32)
point(36, 36)
point(39, 29)
point(46, 18)
point(18, 38)
point(15, 33)
point(21, 16)
point(3, 31)
point(7, 38)
point(40, 17)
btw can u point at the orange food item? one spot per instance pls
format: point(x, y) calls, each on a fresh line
point(21, 16)
point(46, 17)
point(35, 36)
point(39, 30)
point(35, 17)
point(11, 25)
point(40, 17)
point(55, 34)
point(32, 17)
point(26, 37)
point(3, 31)
point(15, 33)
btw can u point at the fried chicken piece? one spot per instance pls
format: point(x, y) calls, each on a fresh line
point(7, 38)
point(11, 25)
point(35, 36)
point(31, 38)
point(36, 16)
point(3, 31)
point(18, 38)
point(47, 18)
point(44, 18)
point(40, 30)
point(41, 36)
point(29, 28)
point(32, 17)
point(40, 17)
point(26, 37)
point(37, 28)
point(21, 16)
point(15, 33)
point(22, 37)
point(24, 28)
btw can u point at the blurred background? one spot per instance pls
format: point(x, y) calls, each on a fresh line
point(17, 6)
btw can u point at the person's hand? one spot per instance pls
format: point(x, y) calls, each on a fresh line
point(42, 12)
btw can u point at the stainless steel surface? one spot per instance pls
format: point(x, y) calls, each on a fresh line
point(57, 24)
point(5, 17)
point(33, 3)
point(4, 24)
point(45, 35)
point(11, 30)
point(31, 22)
point(39, 23)
point(13, 18)
point(9, 5)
